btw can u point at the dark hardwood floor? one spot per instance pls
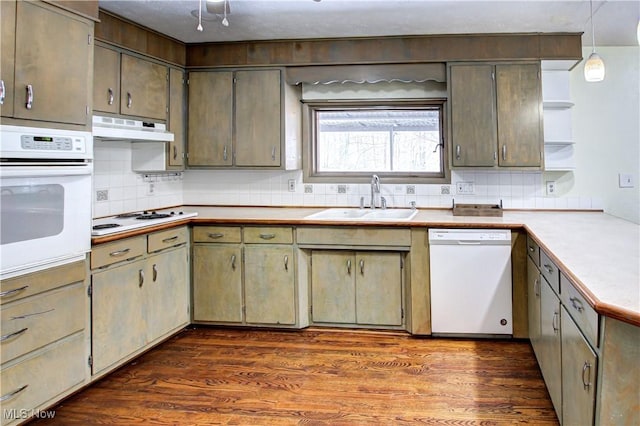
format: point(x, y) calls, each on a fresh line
point(317, 376)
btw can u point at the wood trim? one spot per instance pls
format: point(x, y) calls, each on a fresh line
point(86, 8)
point(126, 34)
point(387, 50)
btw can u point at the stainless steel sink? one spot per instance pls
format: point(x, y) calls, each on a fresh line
point(356, 214)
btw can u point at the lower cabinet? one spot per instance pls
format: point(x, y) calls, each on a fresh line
point(564, 332)
point(363, 288)
point(549, 350)
point(269, 272)
point(244, 275)
point(579, 366)
point(137, 301)
point(43, 348)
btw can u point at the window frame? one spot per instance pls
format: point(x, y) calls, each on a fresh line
point(309, 151)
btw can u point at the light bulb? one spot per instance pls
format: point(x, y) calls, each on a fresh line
point(638, 31)
point(225, 22)
point(594, 68)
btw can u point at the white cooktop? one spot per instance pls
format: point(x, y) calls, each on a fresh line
point(132, 221)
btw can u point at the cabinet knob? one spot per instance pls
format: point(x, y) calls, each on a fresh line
point(349, 266)
point(286, 262)
point(362, 266)
point(458, 149)
point(233, 262)
point(155, 272)
point(110, 96)
point(3, 90)
point(129, 100)
point(140, 278)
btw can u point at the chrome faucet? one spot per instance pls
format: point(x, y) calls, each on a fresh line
point(375, 189)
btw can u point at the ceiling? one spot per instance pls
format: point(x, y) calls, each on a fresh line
point(615, 20)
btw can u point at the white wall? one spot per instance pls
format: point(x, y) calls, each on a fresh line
point(606, 129)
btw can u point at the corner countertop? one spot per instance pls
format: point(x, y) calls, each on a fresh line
point(599, 252)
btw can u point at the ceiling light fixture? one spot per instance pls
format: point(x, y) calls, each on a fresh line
point(199, 27)
point(594, 67)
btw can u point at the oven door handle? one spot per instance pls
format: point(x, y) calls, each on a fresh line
point(45, 171)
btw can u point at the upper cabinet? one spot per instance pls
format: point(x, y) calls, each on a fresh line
point(495, 115)
point(46, 58)
point(129, 85)
point(175, 159)
point(246, 118)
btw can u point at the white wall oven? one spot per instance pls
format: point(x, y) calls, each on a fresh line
point(45, 205)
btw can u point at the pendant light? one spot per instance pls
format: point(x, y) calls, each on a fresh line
point(199, 27)
point(594, 67)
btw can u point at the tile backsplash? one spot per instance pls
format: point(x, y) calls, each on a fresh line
point(128, 191)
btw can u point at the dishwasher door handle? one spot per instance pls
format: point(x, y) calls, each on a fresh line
point(469, 243)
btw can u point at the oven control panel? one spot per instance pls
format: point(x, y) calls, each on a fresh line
point(51, 143)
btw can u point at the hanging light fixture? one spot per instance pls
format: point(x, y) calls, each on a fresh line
point(594, 67)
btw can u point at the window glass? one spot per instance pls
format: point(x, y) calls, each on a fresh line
point(391, 140)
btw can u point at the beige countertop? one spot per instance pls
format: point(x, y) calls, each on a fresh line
point(599, 253)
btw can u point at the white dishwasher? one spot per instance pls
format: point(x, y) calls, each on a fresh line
point(470, 282)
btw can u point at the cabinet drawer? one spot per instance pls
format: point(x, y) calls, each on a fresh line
point(550, 271)
point(217, 234)
point(37, 282)
point(268, 235)
point(39, 320)
point(354, 236)
point(37, 379)
point(106, 254)
point(584, 315)
point(533, 250)
point(166, 239)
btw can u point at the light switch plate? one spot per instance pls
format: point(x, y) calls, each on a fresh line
point(625, 180)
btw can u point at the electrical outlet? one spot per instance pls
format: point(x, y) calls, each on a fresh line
point(102, 195)
point(445, 190)
point(151, 189)
point(291, 184)
point(551, 187)
point(342, 189)
point(411, 190)
point(465, 188)
point(308, 189)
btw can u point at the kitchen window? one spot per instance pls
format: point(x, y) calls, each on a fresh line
point(399, 141)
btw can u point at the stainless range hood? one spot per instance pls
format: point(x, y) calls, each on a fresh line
point(125, 129)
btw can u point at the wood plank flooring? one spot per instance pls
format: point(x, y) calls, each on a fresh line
point(316, 377)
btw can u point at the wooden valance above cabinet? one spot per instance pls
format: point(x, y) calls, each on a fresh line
point(367, 73)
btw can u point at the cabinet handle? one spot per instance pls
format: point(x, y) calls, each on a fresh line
point(504, 152)
point(110, 96)
point(129, 100)
point(33, 314)
point(458, 152)
point(273, 153)
point(3, 90)
point(29, 104)
point(531, 249)
point(13, 291)
point(215, 235)
point(349, 266)
point(13, 394)
point(536, 287)
point(224, 153)
point(554, 323)
point(170, 239)
point(175, 152)
point(233, 262)
point(362, 266)
point(286, 262)
point(267, 236)
point(140, 277)
point(155, 272)
point(586, 367)
point(119, 252)
point(577, 304)
point(549, 268)
point(14, 334)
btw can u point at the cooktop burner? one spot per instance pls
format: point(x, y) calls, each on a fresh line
point(128, 215)
point(152, 216)
point(106, 226)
